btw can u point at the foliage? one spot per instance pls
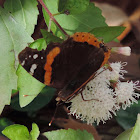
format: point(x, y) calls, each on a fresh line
point(20, 132)
point(81, 22)
point(49, 37)
point(69, 134)
point(72, 6)
point(127, 118)
point(4, 122)
point(13, 39)
point(107, 33)
point(25, 12)
point(131, 134)
point(40, 101)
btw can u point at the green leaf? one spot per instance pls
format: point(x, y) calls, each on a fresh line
point(125, 135)
point(34, 132)
point(127, 118)
point(116, 40)
point(135, 135)
point(49, 37)
point(107, 33)
point(42, 99)
point(24, 11)
point(4, 122)
point(84, 22)
point(14, 91)
point(39, 44)
point(27, 85)
point(13, 38)
point(72, 6)
point(20, 132)
point(69, 134)
point(16, 132)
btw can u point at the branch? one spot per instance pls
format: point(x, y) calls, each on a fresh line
point(52, 17)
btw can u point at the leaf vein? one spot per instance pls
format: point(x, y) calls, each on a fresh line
point(23, 14)
point(81, 22)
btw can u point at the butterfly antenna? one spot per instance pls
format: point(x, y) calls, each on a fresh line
point(57, 105)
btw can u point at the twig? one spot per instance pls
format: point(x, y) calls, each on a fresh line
point(52, 17)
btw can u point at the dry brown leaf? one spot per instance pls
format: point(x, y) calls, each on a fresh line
point(3, 138)
point(2, 2)
point(132, 67)
point(135, 15)
point(126, 31)
point(136, 29)
point(114, 15)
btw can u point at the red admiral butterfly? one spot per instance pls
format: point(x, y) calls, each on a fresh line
point(67, 66)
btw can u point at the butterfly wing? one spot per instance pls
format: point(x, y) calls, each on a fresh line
point(33, 61)
point(74, 66)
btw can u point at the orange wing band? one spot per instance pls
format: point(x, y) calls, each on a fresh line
point(86, 37)
point(107, 55)
point(49, 60)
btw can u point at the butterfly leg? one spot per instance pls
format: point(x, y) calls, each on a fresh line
point(87, 100)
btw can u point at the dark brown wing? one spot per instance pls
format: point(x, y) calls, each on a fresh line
point(74, 65)
point(33, 61)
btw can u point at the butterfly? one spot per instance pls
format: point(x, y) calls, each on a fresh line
point(66, 66)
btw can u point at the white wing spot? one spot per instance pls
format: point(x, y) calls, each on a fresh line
point(35, 56)
point(23, 62)
point(29, 56)
point(31, 73)
point(33, 67)
point(41, 57)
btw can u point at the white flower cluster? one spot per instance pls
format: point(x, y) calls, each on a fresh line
point(104, 95)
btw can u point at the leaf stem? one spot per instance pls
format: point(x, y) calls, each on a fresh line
point(56, 14)
point(52, 17)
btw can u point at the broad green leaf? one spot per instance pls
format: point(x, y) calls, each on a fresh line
point(107, 33)
point(69, 134)
point(14, 91)
point(42, 99)
point(50, 38)
point(34, 132)
point(39, 44)
point(83, 22)
point(24, 11)
point(72, 6)
point(4, 122)
point(16, 132)
point(27, 85)
point(61, 5)
point(13, 38)
point(135, 135)
point(125, 135)
point(127, 118)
